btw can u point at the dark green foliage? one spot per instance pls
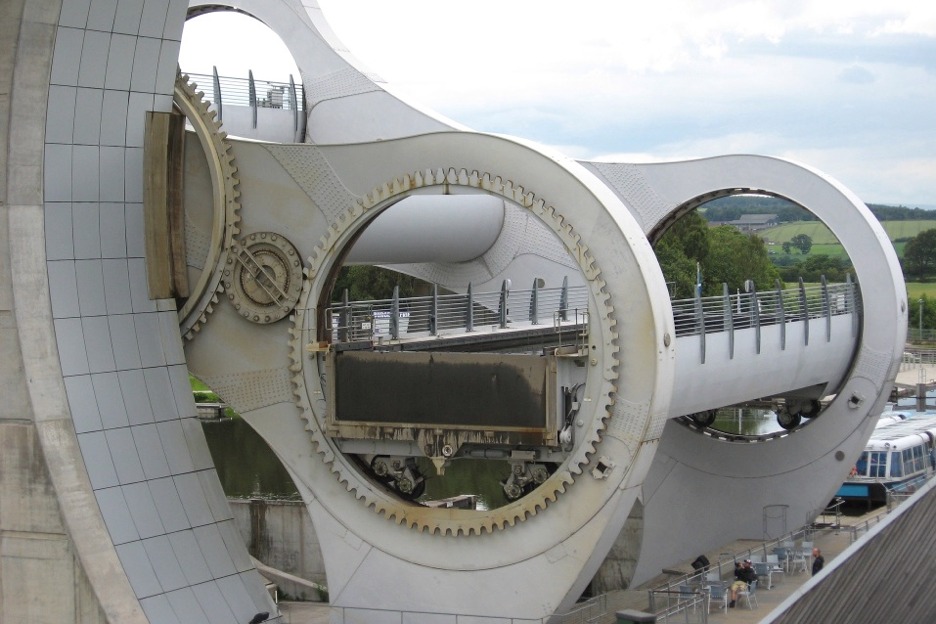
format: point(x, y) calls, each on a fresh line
point(919, 258)
point(731, 208)
point(901, 213)
point(679, 249)
point(373, 282)
point(813, 268)
point(802, 242)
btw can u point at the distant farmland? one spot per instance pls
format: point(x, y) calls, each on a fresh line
point(825, 243)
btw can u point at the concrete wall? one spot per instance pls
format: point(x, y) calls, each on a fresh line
point(280, 534)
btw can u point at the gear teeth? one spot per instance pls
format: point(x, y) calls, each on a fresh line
point(467, 523)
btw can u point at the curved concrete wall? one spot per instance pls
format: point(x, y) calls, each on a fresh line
point(106, 386)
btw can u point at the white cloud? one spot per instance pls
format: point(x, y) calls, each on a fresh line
point(844, 83)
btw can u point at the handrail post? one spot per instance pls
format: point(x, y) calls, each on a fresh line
point(782, 316)
point(755, 310)
point(534, 303)
point(469, 310)
point(700, 323)
point(804, 310)
point(564, 300)
point(344, 318)
point(252, 94)
point(728, 319)
point(216, 84)
point(395, 314)
point(826, 307)
point(434, 311)
point(502, 307)
point(850, 301)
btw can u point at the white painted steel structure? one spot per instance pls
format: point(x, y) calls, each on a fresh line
point(110, 501)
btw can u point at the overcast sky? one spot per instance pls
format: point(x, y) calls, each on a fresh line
point(847, 87)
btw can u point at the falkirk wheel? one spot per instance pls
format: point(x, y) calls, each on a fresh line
point(135, 250)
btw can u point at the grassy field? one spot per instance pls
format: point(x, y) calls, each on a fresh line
point(825, 243)
point(917, 289)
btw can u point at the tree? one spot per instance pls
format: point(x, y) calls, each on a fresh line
point(920, 254)
point(803, 242)
point(678, 250)
point(735, 257)
point(787, 246)
point(373, 282)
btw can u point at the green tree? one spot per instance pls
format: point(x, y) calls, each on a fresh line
point(920, 254)
point(678, 250)
point(787, 247)
point(372, 282)
point(735, 257)
point(803, 242)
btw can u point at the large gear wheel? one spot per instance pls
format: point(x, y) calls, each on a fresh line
point(263, 277)
point(307, 379)
point(224, 207)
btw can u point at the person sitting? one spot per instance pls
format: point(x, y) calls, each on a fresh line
point(744, 576)
point(818, 561)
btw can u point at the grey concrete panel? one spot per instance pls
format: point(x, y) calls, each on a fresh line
point(124, 454)
point(151, 353)
point(143, 510)
point(90, 277)
point(86, 219)
point(214, 493)
point(429, 618)
point(234, 543)
point(86, 173)
point(174, 23)
point(235, 594)
point(137, 107)
point(113, 227)
point(66, 57)
point(152, 455)
point(169, 505)
point(58, 172)
point(94, 54)
point(133, 388)
point(182, 392)
point(119, 66)
point(124, 342)
point(212, 603)
point(88, 108)
point(167, 568)
point(173, 441)
point(186, 606)
point(168, 64)
point(117, 286)
point(214, 550)
point(373, 616)
point(82, 404)
point(63, 289)
point(171, 342)
point(133, 193)
point(198, 447)
point(189, 555)
point(101, 15)
point(112, 187)
point(193, 500)
point(133, 214)
point(97, 338)
point(75, 13)
point(127, 19)
point(114, 110)
point(58, 232)
point(117, 515)
point(139, 570)
point(71, 347)
point(145, 62)
point(159, 609)
point(110, 401)
point(97, 459)
point(60, 123)
point(160, 393)
point(153, 20)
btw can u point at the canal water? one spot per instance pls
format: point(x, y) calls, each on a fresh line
point(248, 468)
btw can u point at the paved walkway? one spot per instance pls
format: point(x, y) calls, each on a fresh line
point(832, 541)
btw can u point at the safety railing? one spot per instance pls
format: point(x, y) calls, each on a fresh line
point(227, 90)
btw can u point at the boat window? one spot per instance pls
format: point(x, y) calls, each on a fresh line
point(908, 460)
point(862, 465)
point(919, 464)
point(897, 465)
point(878, 464)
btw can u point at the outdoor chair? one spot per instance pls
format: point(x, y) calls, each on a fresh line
point(749, 595)
point(718, 593)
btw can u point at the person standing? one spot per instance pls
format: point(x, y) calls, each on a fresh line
point(818, 561)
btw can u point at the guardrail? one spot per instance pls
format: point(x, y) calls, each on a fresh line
point(248, 91)
point(432, 315)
